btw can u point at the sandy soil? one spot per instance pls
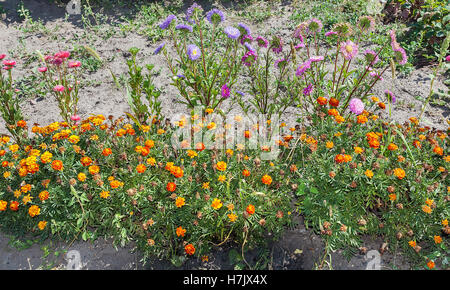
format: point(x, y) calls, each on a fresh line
point(299, 248)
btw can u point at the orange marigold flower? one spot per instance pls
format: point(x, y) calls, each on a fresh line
point(106, 152)
point(339, 158)
point(180, 201)
point(347, 158)
point(43, 195)
point(216, 204)
point(361, 119)
point(322, 101)
point(177, 171)
point(94, 169)
point(392, 147)
point(57, 165)
point(334, 102)
point(14, 205)
point(74, 139)
point(333, 112)
point(417, 144)
point(412, 244)
point(34, 210)
point(438, 150)
point(46, 157)
point(149, 144)
point(430, 264)
point(392, 197)
point(86, 161)
point(246, 173)
point(358, 150)
point(381, 105)
point(266, 179)
point(200, 146)
point(171, 186)
point(426, 209)
point(250, 209)
point(42, 225)
point(189, 249)
point(141, 168)
point(437, 239)
point(115, 184)
point(21, 124)
point(429, 201)
point(180, 231)
point(399, 173)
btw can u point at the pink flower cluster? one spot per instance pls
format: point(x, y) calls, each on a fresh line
point(7, 64)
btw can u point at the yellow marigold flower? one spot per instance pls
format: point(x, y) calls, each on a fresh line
point(232, 217)
point(13, 148)
point(221, 166)
point(151, 161)
point(445, 222)
point(94, 137)
point(3, 205)
point(179, 202)
point(81, 176)
point(17, 193)
point(230, 207)
point(216, 204)
point(329, 144)
point(192, 153)
point(25, 188)
point(27, 198)
point(115, 184)
point(42, 225)
point(221, 178)
point(375, 99)
point(34, 210)
point(338, 134)
point(94, 169)
point(6, 174)
point(161, 131)
point(369, 173)
point(358, 150)
point(205, 185)
point(104, 194)
point(211, 126)
point(209, 111)
point(74, 139)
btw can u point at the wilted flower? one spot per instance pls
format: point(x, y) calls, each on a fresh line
point(262, 42)
point(190, 11)
point(277, 44)
point(249, 57)
point(302, 68)
point(371, 56)
point(366, 23)
point(314, 25)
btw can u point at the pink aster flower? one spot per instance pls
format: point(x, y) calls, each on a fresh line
point(62, 54)
point(316, 58)
point(303, 68)
point(2, 56)
point(9, 63)
point(73, 64)
point(356, 106)
point(349, 49)
point(42, 69)
point(59, 88)
point(75, 118)
point(447, 58)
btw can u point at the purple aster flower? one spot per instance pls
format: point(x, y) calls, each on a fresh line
point(158, 49)
point(262, 42)
point(356, 106)
point(390, 96)
point(249, 46)
point(244, 29)
point(349, 49)
point(240, 93)
point(190, 11)
point(316, 58)
point(232, 32)
point(180, 76)
point(371, 56)
point(308, 90)
point(193, 52)
point(249, 57)
point(225, 91)
point(302, 68)
point(215, 16)
point(184, 27)
point(168, 21)
point(246, 38)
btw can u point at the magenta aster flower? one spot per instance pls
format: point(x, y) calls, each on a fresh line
point(400, 56)
point(307, 90)
point(262, 42)
point(249, 57)
point(376, 75)
point(447, 58)
point(246, 38)
point(330, 33)
point(2, 56)
point(225, 91)
point(349, 49)
point(42, 69)
point(277, 44)
point(303, 68)
point(280, 63)
point(9, 63)
point(193, 52)
point(59, 88)
point(356, 106)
